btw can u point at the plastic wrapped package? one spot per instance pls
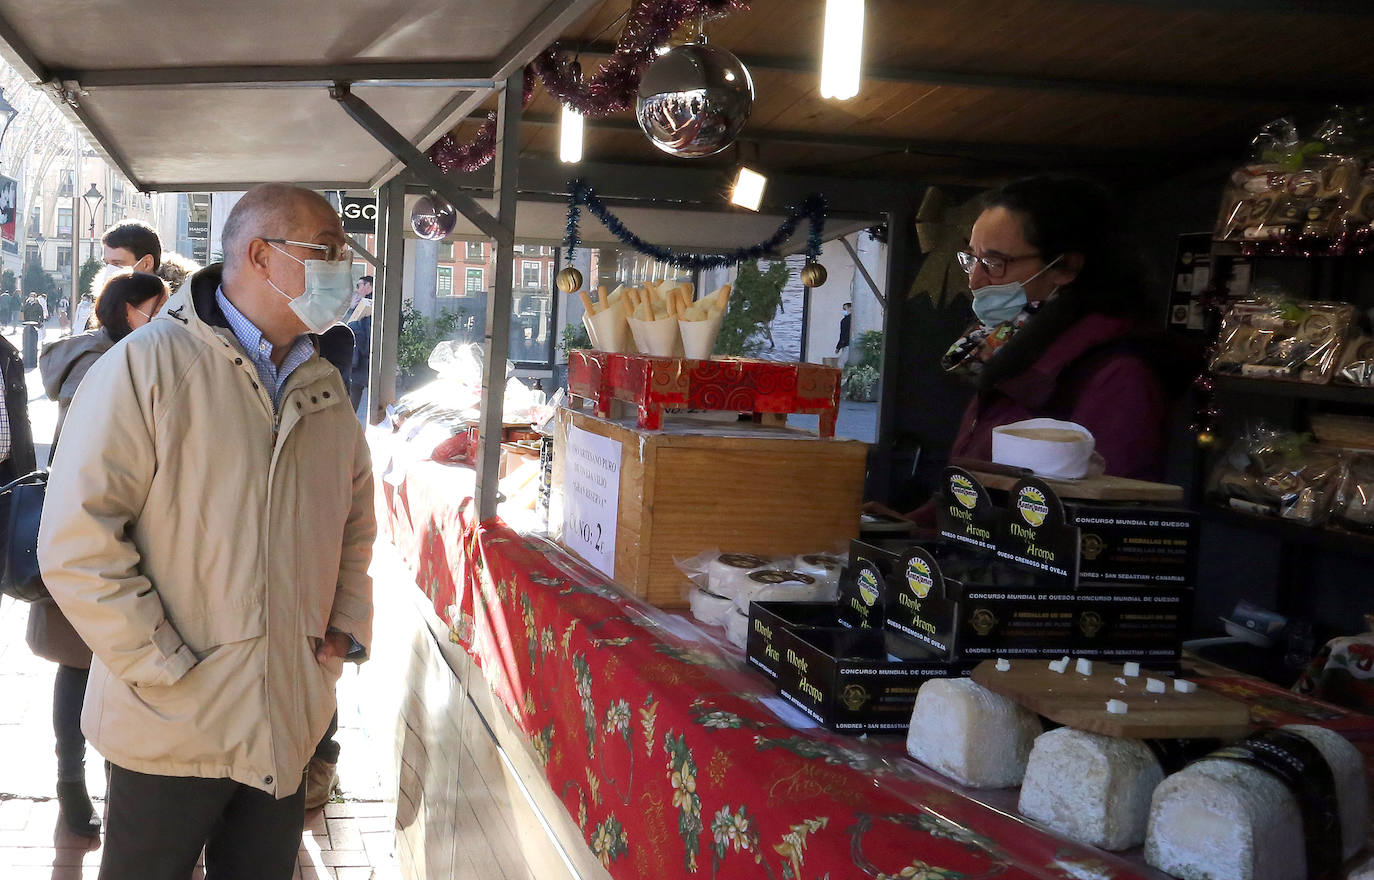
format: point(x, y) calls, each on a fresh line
point(1273, 337)
point(1299, 188)
point(1353, 505)
point(749, 577)
point(1275, 473)
point(1357, 362)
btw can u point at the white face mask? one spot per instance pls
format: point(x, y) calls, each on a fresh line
point(328, 292)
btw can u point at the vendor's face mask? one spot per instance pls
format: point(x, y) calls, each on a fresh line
point(328, 292)
point(994, 304)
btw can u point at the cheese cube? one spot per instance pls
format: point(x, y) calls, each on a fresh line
point(1119, 680)
point(1095, 789)
point(1084, 666)
point(1155, 686)
point(1131, 670)
point(1059, 665)
point(1183, 686)
point(1222, 818)
point(1117, 707)
point(1003, 664)
point(967, 732)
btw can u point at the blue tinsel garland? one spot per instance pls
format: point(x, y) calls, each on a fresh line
point(812, 209)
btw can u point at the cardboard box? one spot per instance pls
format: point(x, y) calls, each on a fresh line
point(969, 609)
point(733, 487)
point(1146, 624)
point(767, 621)
point(1135, 543)
point(844, 679)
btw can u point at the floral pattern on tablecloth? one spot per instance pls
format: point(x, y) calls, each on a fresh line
point(662, 748)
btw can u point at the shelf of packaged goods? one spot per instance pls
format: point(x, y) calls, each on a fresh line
point(1293, 533)
point(1278, 388)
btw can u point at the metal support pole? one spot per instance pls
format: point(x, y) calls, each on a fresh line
point(418, 163)
point(357, 244)
point(76, 224)
point(386, 300)
point(499, 303)
point(903, 258)
point(863, 270)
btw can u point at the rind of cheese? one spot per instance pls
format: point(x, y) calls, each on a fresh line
point(967, 732)
point(1095, 789)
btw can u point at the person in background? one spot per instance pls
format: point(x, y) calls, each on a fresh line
point(128, 300)
point(208, 533)
point(6, 309)
point(842, 346)
point(132, 244)
point(176, 269)
point(35, 309)
point(64, 312)
point(360, 322)
point(85, 308)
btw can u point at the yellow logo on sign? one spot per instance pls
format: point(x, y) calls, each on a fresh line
point(1032, 507)
point(961, 487)
point(918, 577)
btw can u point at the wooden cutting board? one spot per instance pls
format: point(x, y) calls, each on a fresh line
point(1080, 701)
point(1104, 488)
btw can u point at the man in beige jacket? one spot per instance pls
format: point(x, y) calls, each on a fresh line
point(208, 530)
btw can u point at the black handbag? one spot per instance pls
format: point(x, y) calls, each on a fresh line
point(21, 507)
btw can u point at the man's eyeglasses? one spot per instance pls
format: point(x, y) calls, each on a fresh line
point(995, 266)
point(333, 253)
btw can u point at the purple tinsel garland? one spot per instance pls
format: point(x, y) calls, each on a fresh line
point(612, 88)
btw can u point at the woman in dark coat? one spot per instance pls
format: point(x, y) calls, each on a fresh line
point(127, 301)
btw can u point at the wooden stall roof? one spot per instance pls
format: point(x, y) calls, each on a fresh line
point(974, 90)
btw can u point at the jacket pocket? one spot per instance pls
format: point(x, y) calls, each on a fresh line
point(222, 626)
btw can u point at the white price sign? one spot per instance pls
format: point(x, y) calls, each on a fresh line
point(591, 497)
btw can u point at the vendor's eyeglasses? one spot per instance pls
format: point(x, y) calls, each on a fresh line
point(994, 266)
point(333, 253)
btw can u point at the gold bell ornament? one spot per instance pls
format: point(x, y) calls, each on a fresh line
point(813, 275)
point(569, 280)
point(1206, 439)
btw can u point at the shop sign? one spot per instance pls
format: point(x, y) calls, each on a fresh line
point(359, 215)
point(9, 202)
point(965, 512)
point(1036, 534)
point(592, 498)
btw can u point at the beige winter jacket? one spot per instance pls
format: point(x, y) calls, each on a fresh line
point(203, 546)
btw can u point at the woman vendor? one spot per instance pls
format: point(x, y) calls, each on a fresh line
point(1058, 330)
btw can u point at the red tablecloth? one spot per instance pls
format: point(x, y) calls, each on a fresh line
point(659, 744)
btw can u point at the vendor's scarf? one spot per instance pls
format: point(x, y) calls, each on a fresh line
point(970, 353)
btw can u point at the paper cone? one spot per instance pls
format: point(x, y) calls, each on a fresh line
point(699, 337)
point(655, 338)
point(607, 329)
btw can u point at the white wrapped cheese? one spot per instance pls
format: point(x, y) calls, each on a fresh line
point(737, 628)
point(1095, 789)
point(971, 734)
point(1222, 818)
point(728, 573)
point(709, 608)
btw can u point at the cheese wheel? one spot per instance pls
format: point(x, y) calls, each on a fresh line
point(967, 732)
point(728, 573)
point(709, 608)
point(1222, 818)
point(1095, 789)
point(737, 629)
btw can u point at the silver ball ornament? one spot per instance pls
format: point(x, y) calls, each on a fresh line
point(694, 99)
point(432, 218)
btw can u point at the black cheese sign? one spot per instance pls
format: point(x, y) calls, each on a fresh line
point(965, 513)
point(1034, 532)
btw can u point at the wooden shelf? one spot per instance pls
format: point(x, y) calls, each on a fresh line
point(1292, 533)
point(1278, 388)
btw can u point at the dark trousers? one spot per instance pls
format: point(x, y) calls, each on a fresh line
point(68, 695)
point(328, 749)
point(157, 826)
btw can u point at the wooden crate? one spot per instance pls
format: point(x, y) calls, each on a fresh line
point(733, 487)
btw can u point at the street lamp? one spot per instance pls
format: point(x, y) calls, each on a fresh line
point(92, 198)
point(8, 111)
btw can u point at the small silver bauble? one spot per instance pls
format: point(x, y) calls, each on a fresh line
point(432, 217)
point(694, 99)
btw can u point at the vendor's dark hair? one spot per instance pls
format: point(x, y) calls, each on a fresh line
point(1062, 215)
point(137, 237)
point(125, 289)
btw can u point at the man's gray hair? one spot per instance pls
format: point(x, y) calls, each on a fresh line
point(270, 210)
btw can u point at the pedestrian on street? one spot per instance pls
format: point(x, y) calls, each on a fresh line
point(842, 346)
point(126, 302)
point(208, 533)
